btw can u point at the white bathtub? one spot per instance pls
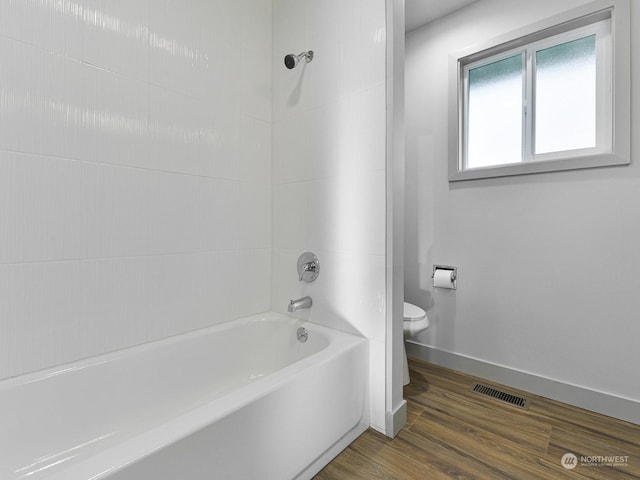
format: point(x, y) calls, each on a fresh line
point(242, 400)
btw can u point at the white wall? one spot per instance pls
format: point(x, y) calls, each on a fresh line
point(548, 263)
point(329, 122)
point(135, 158)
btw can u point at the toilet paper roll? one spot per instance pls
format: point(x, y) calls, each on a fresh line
point(443, 278)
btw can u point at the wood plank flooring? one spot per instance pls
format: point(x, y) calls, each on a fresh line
point(452, 433)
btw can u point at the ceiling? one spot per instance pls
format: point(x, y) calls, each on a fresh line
point(421, 12)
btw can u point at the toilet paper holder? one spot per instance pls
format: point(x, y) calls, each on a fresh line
point(452, 271)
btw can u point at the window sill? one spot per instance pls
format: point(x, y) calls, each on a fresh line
point(540, 166)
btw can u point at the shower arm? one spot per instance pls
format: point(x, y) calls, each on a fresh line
point(308, 56)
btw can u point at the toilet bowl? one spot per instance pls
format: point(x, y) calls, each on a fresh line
point(414, 321)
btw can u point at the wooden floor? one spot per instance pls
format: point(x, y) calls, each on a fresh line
point(454, 433)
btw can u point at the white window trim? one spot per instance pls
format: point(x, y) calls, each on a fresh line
point(617, 147)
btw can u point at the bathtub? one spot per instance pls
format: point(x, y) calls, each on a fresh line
point(241, 400)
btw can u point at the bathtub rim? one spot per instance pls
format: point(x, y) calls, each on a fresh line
point(107, 357)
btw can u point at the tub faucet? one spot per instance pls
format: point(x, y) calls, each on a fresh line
point(299, 304)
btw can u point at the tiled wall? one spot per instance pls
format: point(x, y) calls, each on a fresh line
point(329, 145)
point(135, 160)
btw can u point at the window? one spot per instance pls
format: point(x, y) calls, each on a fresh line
point(547, 100)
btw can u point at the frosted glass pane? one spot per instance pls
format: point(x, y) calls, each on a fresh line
point(494, 130)
point(566, 96)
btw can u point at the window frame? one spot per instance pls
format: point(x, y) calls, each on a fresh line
point(607, 18)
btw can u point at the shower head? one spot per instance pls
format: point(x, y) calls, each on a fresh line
point(291, 60)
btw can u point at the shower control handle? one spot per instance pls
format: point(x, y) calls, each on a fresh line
point(308, 267)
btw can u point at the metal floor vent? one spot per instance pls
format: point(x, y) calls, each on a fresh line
point(505, 397)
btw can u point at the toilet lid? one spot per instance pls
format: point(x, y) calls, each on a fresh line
point(413, 312)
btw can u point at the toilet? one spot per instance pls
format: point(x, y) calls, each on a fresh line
point(415, 321)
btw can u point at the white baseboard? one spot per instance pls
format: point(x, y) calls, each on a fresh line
point(394, 421)
point(595, 401)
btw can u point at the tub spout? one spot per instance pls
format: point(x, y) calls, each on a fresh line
point(299, 304)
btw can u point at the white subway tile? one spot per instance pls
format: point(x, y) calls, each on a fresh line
point(40, 99)
point(254, 216)
point(222, 287)
point(256, 82)
point(254, 276)
point(222, 55)
point(72, 114)
point(173, 212)
point(174, 134)
point(330, 207)
point(255, 158)
point(345, 138)
point(275, 280)
point(55, 26)
point(114, 125)
point(349, 214)
point(173, 295)
point(219, 219)
point(291, 140)
point(325, 79)
point(364, 53)
point(364, 305)
point(285, 285)
point(349, 293)
point(116, 36)
point(40, 216)
point(38, 316)
point(235, 215)
point(256, 18)
point(221, 24)
point(234, 284)
point(174, 43)
point(291, 216)
point(115, 304)
point(290, 26)
point(256, 58)
point(326, 147)
point(215, 287)
point(325, 17)
point(290, 88)
point(115, 211)
point(220, 139)
point(364, 138)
